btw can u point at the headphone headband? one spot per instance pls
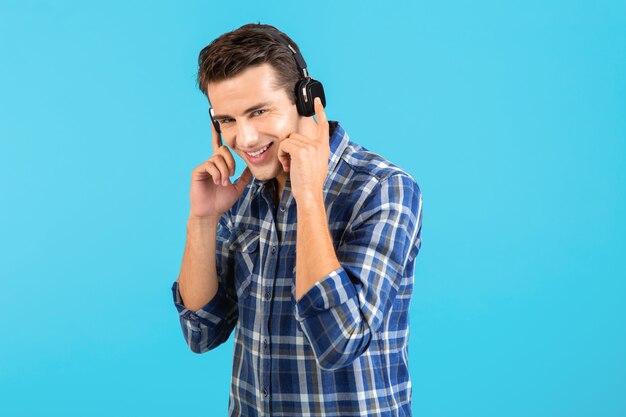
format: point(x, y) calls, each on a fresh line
point(307, 88)
point(300, 62)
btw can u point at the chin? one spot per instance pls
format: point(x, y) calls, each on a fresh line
point(263, 175)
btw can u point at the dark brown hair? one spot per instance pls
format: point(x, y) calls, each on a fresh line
point(250, 45)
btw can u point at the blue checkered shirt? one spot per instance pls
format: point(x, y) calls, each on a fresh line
point(341, 350)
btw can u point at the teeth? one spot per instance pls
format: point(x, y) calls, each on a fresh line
point(259, 152)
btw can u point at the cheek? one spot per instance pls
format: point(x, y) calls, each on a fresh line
point(275, 125)
point(228, 142)
point(281, 124)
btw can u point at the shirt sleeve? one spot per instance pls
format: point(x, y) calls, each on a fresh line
point(342, 311)
point(211, 325)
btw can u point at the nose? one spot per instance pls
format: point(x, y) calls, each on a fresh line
point(247, 135)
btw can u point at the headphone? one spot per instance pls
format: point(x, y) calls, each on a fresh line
point(306, 88)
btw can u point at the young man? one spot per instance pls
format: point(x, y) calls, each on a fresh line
point(309, 255)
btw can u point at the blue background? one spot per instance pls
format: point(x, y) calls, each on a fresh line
point(510, 115)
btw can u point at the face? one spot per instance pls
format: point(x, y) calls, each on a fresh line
point(254, 116)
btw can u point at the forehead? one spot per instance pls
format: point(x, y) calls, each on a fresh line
point(254, 85)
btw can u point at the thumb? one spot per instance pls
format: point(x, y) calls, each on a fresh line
point(243, 180)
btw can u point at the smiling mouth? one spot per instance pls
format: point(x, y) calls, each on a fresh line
point(260, 151)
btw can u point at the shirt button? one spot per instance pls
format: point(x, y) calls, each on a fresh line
point(265, 343)
point(264, 392)
point(273, 249)
point(267, 295)
point(282, 208)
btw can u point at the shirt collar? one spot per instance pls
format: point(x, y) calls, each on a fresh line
point(338, 141)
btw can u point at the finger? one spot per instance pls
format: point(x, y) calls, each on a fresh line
point(298, 139)
point(228, 157)
point(283, 156)
point(322, 121)
point(200, 172)
point(288, 148)
point(243, 180)
point(216, 139)
point(210, 167)
point(307, 126)
point(221, 166)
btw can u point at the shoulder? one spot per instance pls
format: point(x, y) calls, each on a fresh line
point(360, 168)
point(365, 185)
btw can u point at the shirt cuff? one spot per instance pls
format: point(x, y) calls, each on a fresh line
point(331, 291)
point(212, 314)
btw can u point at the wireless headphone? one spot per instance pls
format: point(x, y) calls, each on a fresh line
point(306, 88)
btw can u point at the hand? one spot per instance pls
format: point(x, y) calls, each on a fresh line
point(211, 192)
point(305, 155)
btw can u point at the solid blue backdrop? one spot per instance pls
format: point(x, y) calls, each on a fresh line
point(510, 115)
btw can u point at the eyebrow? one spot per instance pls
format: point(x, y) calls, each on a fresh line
point(246, 111)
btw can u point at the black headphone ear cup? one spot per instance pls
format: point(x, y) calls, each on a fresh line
point(306, 91)
point(216, 124)
point(301, 97)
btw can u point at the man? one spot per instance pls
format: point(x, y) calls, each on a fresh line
point(309, 255)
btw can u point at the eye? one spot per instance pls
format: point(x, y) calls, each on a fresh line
point(225, 121)
point(258, 112)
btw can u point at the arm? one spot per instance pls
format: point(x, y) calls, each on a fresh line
point(341, 309)
point(198, 276)
point(209, 310)
point(312, 232)
point(205, 300)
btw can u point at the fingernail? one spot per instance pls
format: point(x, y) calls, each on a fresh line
point(225, 183)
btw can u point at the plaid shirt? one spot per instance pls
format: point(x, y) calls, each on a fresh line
point(341, 350)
